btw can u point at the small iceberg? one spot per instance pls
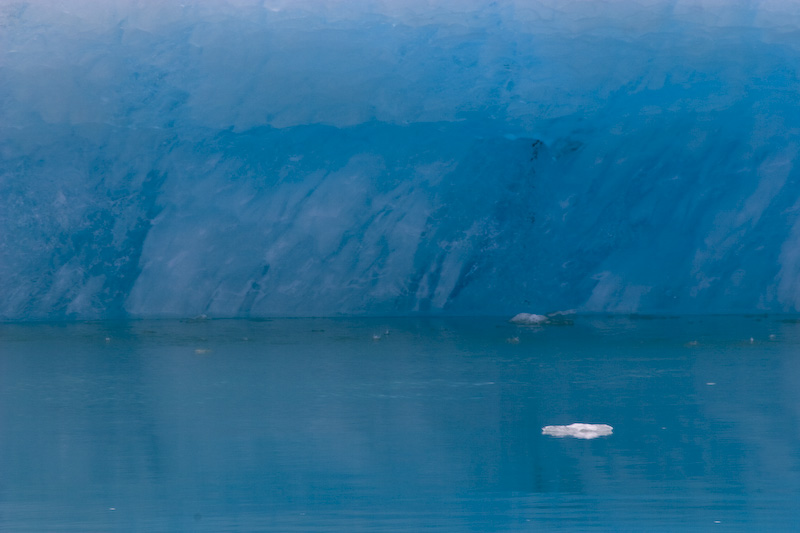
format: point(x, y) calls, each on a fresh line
point(579, 431)
point(530, 319)
point(559, 318)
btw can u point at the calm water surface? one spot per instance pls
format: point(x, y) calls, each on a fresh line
point(335, 425)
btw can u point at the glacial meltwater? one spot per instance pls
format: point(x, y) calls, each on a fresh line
point(403, 424)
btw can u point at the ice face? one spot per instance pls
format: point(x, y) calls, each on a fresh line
point(243, 158)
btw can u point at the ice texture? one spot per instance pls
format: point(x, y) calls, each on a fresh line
point(373, 157)
point(579, 431)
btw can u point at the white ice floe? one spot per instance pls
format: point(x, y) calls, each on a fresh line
point(579, 431)
point(529, 319)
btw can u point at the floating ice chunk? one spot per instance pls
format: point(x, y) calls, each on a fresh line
point(530, 319)
point(579, 431)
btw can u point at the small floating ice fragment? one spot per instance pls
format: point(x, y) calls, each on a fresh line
point(579, 431)
point(529, 319)
point(512, 340)
point(376, 337)
point(200, 351)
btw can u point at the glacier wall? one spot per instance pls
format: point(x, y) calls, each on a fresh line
point(325, 157)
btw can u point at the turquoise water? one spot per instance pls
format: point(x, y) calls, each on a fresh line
point(335, 425)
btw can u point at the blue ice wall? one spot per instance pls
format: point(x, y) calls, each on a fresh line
point(243, 158)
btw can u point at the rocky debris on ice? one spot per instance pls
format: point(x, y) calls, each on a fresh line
point(579, 431)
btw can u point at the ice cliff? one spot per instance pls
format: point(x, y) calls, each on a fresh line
point(324, 157)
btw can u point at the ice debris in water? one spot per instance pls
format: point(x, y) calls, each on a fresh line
point(579, 431)
point(530, 319)
point(559, 318)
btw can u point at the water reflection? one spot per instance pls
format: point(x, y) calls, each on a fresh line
point(313, 425)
